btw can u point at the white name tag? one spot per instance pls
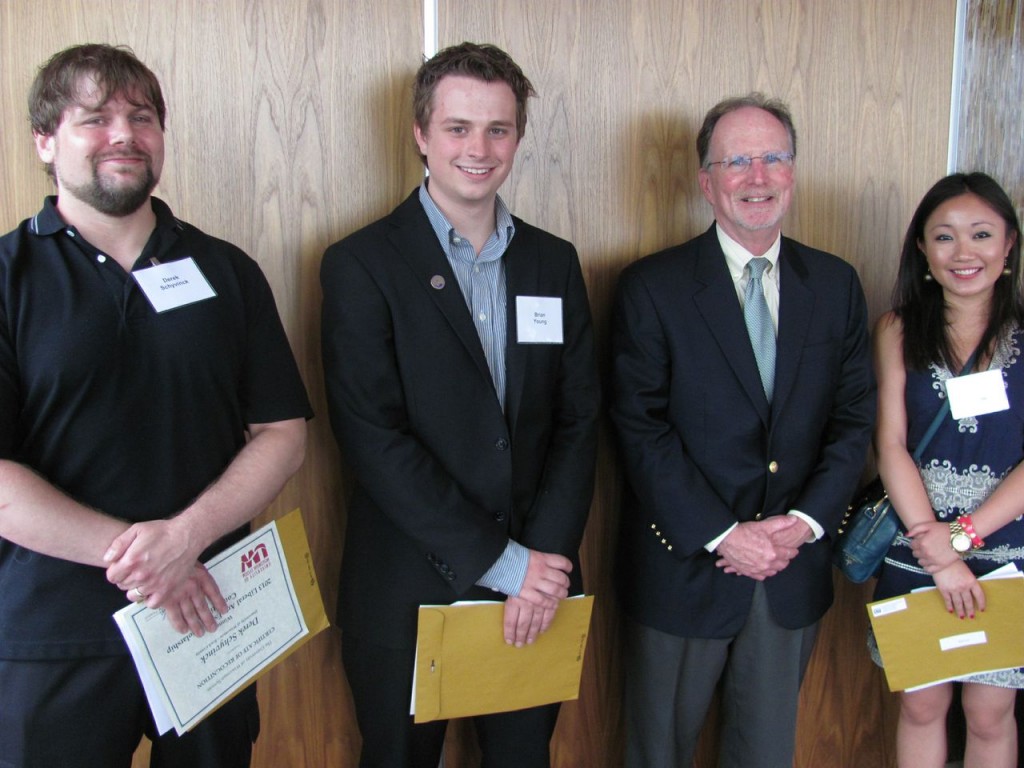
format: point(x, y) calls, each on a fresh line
point(976, 394)
point(889, 606)
point(539, 319)
point(965, 640)
point(173, 285)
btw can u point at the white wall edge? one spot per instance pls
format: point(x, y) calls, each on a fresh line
point(429, 28)
point(959, 35)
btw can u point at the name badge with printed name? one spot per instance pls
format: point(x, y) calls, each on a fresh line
point(977, 394)
point(175, 284)
point(539, 319)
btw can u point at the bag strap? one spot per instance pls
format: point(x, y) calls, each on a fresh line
point(934, 426)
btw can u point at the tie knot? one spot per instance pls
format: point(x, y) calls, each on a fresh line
point(757, 267)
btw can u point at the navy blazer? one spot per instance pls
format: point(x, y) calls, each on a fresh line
point(702, 447)
point(444, 477)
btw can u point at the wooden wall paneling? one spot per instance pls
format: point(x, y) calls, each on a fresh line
point(630, 83)
point(288, 127)
point(991, 110)
point(873, 112)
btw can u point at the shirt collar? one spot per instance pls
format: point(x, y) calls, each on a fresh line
point(48, 221)
point(504, 226)
point(736, 256)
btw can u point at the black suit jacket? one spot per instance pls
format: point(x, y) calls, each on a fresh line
point(702, 447)
point(443, 477)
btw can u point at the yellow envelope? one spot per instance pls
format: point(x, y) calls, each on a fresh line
point(922, 643)
point(292, 532)
point(464, 667)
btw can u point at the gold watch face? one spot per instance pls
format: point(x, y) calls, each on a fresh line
point(961, 542)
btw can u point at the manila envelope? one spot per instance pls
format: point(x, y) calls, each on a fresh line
point(465, 668)
point(922, 643)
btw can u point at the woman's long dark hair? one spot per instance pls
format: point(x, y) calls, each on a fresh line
point(920, 304)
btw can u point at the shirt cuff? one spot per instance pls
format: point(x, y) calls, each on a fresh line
point(712, 545)
point(509, 571)
point(816, 530)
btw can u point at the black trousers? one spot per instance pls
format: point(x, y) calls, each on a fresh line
point(381, 683)
point(93, 712)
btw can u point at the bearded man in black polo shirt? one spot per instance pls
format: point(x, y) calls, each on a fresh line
point(141, 433)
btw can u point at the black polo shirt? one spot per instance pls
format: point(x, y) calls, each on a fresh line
point(127, 410)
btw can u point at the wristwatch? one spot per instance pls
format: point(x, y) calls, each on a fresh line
point(959, 540)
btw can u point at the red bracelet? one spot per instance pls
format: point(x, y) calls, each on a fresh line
point(968, 525)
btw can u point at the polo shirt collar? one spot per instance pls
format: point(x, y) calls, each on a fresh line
point(48, 221)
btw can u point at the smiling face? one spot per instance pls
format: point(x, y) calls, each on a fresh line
point(749, 206)
point(107, 154)
point(966, 244)
point(470, 142)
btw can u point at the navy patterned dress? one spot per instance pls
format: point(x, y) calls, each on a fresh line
point(965, 461)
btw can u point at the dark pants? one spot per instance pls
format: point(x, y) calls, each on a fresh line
point(670, 682)
point(381, 683)
point(93, 712)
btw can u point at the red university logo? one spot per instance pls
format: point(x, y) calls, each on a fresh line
point(254, 557)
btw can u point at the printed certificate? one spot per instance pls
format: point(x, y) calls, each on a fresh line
point(187, 677)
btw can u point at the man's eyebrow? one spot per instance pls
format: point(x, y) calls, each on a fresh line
point(469, 121)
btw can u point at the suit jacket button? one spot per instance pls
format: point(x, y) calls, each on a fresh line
point(773, 467)
point(501, 444)
point(499, 516)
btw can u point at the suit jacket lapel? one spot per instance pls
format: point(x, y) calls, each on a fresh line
point(416, 243)
point(796, 307)
point(718, 304)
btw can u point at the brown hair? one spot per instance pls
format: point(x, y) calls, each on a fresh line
point(115, 69)
point(483, 62)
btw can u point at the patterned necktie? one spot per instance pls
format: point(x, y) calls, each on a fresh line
point(759, 324)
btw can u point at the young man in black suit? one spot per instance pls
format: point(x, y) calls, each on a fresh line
point(469, 422)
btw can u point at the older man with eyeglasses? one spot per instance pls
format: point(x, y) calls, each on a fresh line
point(743, 401)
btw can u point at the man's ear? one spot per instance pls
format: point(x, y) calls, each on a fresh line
point(44, 146)
point(421, 137)
point(704, 179)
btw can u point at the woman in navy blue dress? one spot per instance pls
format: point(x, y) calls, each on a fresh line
point(961, 506)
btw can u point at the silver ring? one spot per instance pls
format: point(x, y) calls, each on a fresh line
point(139, 597)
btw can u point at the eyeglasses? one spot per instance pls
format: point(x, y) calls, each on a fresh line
point(737, 164)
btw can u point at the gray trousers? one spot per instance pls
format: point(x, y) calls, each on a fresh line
point(670, 682)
